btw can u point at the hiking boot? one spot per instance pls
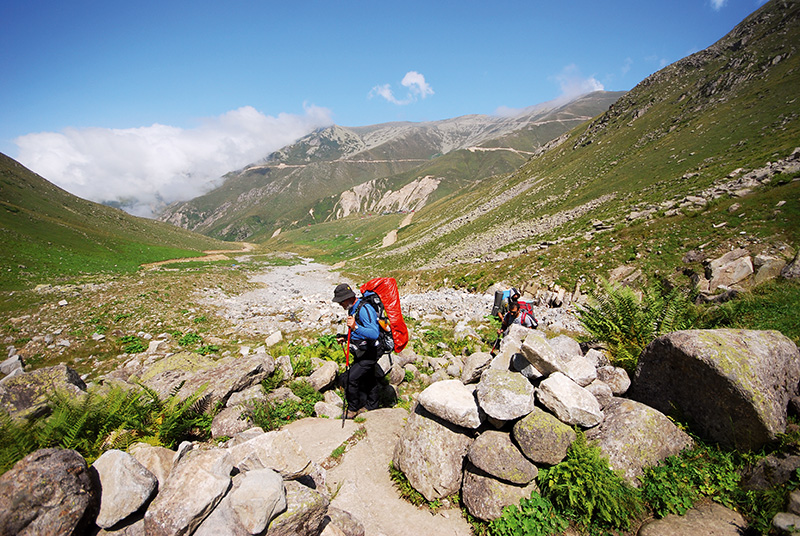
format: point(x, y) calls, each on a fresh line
point(351, 414)
point(362, 410)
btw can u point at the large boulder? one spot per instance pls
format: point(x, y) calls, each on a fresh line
point(542, 438)
point(732, 385)
point(229, 376)
point(505, 395)
point(570, 402)
point(304, 515)
point(452, 401)
point(276, 450)
point(49, 491)
point(634, 436)
point(126, 486)
point(731, 268)
point(25, 395)
point(229, 422)
point(196, 485)
point(430, 453)
point(485, 496)
point(323, 377)
point(495, 454)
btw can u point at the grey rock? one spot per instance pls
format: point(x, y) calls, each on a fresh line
point(733, 385)
point(570, 402)
point(196, 485)
point(452, 401)
point(325, 409)
point(581, 371)
point(730, 269)
point(601, 391)
point(25, 395)
point(786, 522)
point(11, 364)
point(495, 454)
point(344, 521)
point(771, 471)
point(540, 354)
point(229, 376)
point(304, 514)
point(567, 348)
point(505, 395)
point(708, 519)
point(229, 422)
point(324, 376)
point(634, 436)
point(596, 358)
point(542, 438)
point(49, 491)
point(158, 460)
point(126, 485)
point(258, 498)
point(253, 393)
point(485, 497)
point(616, 378)
point(520, 364)
point(276, 450)
point(430, 452)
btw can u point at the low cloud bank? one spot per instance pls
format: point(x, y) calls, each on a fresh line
point(141, 169)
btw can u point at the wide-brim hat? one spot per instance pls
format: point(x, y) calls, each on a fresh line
point(342, 292)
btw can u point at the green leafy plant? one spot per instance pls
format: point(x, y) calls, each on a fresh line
point(627, 322)
point(533, 517)
point(190, 339)
point(585, 489)
point(131, 344)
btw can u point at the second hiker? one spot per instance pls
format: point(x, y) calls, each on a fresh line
point(360, 383)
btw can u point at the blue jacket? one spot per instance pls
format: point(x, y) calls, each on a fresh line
point(367, 328)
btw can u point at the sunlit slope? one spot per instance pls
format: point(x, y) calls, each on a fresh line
point(678, 132)
point(47, 234)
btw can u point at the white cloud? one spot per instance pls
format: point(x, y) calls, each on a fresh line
point(418, 88)
point(626, 66)
point(147, 166)
point(718, 4)
point(573, 84)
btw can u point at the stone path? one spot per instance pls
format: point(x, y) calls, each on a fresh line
point(362, 477)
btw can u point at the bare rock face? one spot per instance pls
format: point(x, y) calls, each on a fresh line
point(49, 491)
point(430, 452)
point(733, 385)
point(276, 450)
point(634, 436)
point(485, 496)
point(25, 395)
point(543, 438)
point(126, 486)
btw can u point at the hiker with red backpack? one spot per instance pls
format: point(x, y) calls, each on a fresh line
point(375, 329)
point(360, 384)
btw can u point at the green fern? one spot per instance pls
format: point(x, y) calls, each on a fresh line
point(627, 321)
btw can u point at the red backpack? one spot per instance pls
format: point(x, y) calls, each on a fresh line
point(386, 289)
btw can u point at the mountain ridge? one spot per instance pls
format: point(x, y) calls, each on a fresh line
point(307, 178)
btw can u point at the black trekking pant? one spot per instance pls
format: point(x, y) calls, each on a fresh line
point(361, 386)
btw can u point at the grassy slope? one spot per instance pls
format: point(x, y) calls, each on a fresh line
point(675, 134)
point(47, 234)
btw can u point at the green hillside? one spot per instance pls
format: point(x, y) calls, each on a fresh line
point(47, 234)
point(697, 124)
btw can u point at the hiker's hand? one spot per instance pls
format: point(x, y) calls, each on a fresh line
point(351, 322)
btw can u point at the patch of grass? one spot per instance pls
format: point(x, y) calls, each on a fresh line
point(772, 305)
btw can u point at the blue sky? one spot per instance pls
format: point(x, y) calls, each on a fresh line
point(166, 96)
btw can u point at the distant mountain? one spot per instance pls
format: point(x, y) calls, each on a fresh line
point(47, 233)
point(686, 138)
point(336, 171)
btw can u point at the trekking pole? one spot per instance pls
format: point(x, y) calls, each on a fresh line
point(496, 344)
point(346, 375)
